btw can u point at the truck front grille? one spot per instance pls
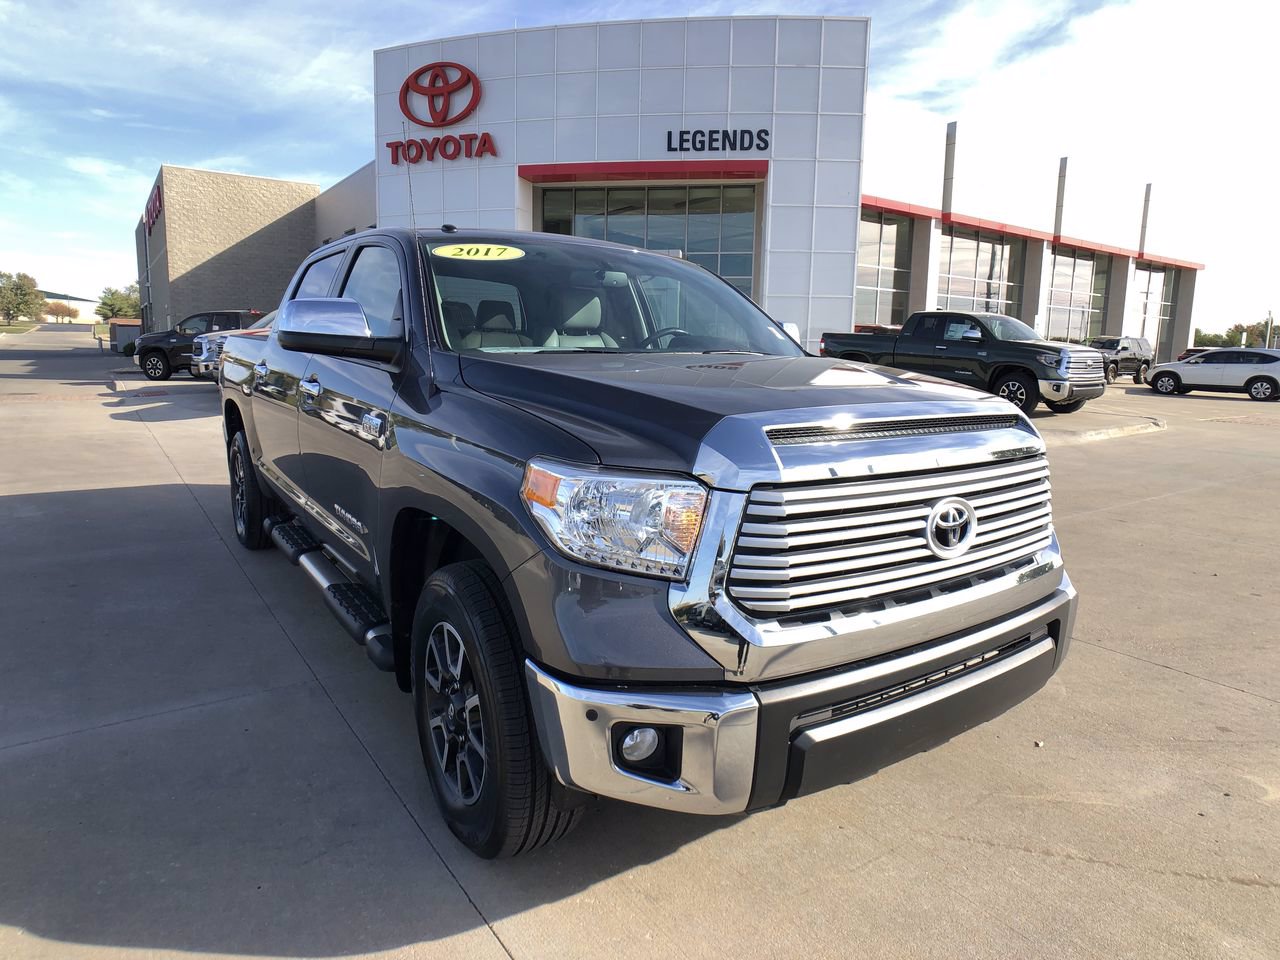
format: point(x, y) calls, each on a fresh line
point(803, 548)
point(1085, 366)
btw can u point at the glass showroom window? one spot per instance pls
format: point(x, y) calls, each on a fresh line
point(1154, 290)
point(884, 268)
point(714, 227)
point(1077, 294)
point(980, 272)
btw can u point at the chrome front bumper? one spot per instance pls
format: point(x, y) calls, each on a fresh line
point(1059, 390)
point(750, 747)
point(203, 368)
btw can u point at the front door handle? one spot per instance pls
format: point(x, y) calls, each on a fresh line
point(939, 347)
point(260, 369)
point(311, 387)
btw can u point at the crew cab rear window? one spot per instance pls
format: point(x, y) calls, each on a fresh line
point(317, 280)
point(374, 283)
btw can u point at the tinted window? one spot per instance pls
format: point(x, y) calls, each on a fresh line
point(926, 328)
point(1222, 356)
point(197, 324)
point(374, 283)
point(318, 278)
point(1265, 358)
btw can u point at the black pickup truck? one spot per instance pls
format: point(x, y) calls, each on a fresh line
point(985, 350)
point(159, 355)
point(620, 536)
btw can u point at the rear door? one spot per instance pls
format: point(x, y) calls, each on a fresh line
point(275, 385)
point(916, 346)
point(1247, 364)
point(344, 414)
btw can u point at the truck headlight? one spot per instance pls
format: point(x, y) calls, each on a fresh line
point(1050, 359)
point(633, 522)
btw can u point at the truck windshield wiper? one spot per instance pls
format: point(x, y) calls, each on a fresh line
point(583, 350)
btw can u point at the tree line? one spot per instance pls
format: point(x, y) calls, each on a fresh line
point(20, 298)
point(1254, 334)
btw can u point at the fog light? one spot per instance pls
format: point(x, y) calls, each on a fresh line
point(639, 744)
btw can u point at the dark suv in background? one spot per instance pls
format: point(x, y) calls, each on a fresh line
point(1131, 355)
point(158, 355)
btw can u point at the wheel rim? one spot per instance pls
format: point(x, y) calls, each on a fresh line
point(454, 717)
point(1164, 384)
point(1111, 374)
point(154, 366)
point(239, 499)
point(1014, 392)
point(1260, 390)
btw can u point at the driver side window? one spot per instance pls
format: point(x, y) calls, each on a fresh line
point(194, 325)
point(958, 327)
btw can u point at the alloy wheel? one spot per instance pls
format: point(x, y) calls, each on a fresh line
point(1261, 390)
point(454, 716)
point(155, 367)
point(1165, 384)
point(239, 498)
point(1014, 392)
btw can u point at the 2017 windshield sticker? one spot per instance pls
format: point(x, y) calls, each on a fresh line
point(477, 251)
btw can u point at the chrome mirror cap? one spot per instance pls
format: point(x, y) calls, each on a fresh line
point(328, 316)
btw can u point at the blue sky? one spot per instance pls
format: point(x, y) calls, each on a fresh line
point(94, 96)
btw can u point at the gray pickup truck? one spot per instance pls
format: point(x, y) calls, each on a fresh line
point(620, 536)
point(985, 350)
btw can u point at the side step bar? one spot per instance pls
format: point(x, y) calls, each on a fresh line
point(356, 607)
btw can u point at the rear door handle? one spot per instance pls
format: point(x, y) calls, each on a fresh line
point(939, 347)
point(311, 387)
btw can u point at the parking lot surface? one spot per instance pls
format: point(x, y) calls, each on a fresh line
point(196, 760)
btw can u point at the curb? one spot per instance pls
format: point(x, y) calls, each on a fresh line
point(1150, 425)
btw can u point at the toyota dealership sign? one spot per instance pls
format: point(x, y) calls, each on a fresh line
point(439, 95)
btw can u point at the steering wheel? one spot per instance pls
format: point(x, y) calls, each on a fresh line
point(658, 335)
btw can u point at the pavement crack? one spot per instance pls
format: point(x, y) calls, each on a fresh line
point(1165, 666)
point(1073, 857)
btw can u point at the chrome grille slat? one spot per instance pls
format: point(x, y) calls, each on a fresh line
point(807, 547)
point(1085, 366)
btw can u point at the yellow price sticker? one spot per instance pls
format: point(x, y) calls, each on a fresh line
point(477, 251)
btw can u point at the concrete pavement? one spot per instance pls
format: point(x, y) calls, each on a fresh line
point(195, 760)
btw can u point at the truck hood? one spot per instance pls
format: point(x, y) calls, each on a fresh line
point(667, 411)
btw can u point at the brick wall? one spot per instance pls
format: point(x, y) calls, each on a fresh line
point(230, 241)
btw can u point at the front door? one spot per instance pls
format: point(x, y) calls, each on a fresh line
point(182, 338)
point(1210, 369)
point(344, 414)
point(960, 354)
point(275, 389)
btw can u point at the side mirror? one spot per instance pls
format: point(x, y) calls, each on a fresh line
point(333, 327)
point(972, 335)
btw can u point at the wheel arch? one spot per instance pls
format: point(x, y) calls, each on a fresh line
point(1267, 377)
point(425, 536)
point(1001, 369)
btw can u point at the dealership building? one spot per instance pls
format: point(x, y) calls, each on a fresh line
point(736, 143)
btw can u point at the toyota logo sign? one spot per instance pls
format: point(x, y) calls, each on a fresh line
point(443, 86)
point(951, 527)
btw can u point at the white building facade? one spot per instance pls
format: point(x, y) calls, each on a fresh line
point(736, 142)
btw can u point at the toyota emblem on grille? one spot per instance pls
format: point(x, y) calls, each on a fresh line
point(951, 527)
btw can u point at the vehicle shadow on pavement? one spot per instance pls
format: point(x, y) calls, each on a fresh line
point(165, 400)
point(193, 757)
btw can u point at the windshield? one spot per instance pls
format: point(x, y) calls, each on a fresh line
point(1105, 344)
point(539, 295)
point(1007, 328)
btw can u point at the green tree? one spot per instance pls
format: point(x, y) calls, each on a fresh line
point(119, 303)
point(59, 309)
point(20, 298)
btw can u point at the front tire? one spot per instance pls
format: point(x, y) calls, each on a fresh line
point(248, 504)
point(1261, 388)
point(1113, 371)
point(1064, 406)
point(155, 366)
point(1140, 375)
point(478, 741)
point(1018, 388)
point(1166, 383)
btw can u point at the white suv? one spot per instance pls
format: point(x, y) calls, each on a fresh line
point(1255, 371)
